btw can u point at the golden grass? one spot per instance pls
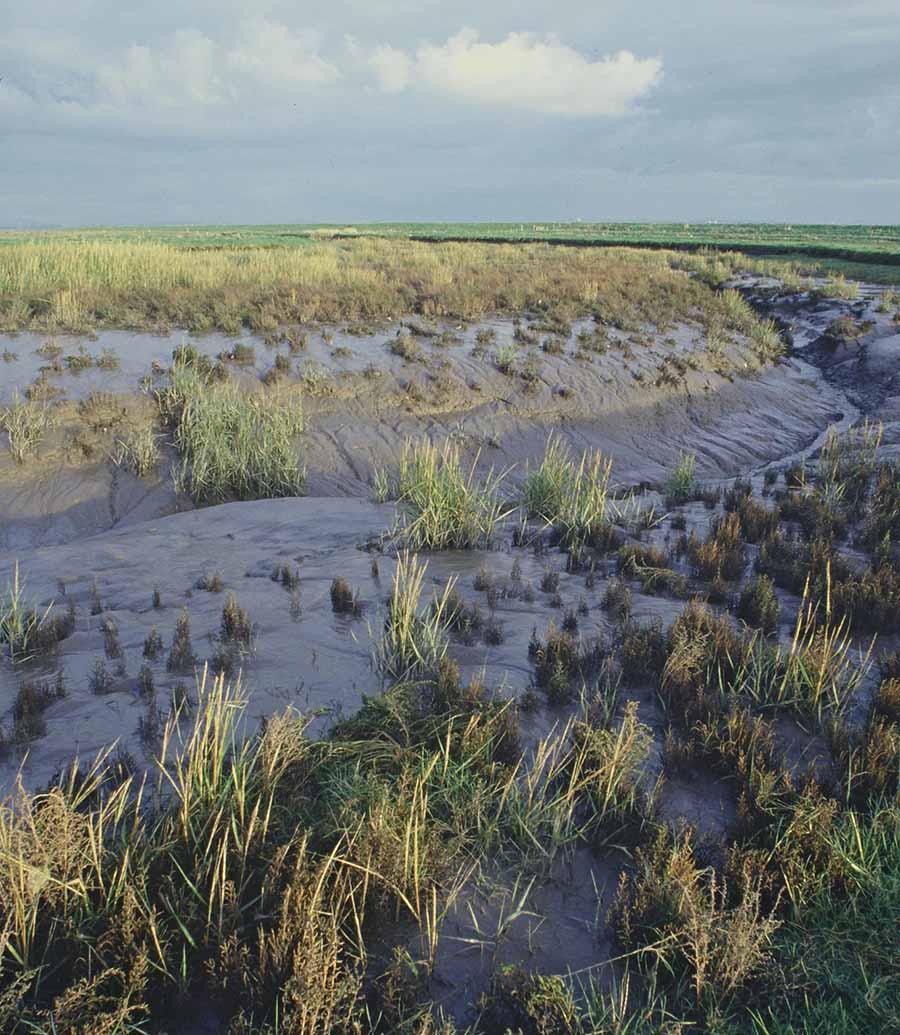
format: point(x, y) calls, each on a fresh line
point(76, 284)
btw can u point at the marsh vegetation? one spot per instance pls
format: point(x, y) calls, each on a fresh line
point(552, 751)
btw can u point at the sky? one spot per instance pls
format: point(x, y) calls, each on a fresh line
point(267, 111)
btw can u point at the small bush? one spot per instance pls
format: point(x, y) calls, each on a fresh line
point(643, 652)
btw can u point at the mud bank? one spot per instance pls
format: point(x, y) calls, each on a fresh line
point(641, 397)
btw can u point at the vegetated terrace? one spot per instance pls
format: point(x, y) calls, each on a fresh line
point(76, 285)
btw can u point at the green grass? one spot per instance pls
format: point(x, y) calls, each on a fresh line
point(444, 504)
point(861, 243)
point(233, 445)
point(572, 496)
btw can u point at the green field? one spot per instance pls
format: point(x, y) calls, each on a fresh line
point(867, 252)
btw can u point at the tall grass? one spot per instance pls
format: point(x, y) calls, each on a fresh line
point(682, 483)
point(137, 451)
point(818, 674)
point(233, 445)
point(445, 505)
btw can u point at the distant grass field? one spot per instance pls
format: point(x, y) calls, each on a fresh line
point(876, 246)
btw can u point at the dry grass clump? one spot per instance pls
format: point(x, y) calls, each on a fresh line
point(711, 938)
point(26, 423)
point(444, 505)
point(652, 566)
point(233, 445)
point(137, 451)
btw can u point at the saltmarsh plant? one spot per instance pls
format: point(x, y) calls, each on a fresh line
point(21, 623)
point(234, 445)
point(818, 674)
point(443, 505)
point(25, 423)
point(414, 639)
point(137, 451)
point(572, 496)
point(682, 484)
point(848, 462)
point(837, 286)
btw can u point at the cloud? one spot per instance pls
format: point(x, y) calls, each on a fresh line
point(193, 69)
point(393, 69)
point(523, 71)
point(270, 53)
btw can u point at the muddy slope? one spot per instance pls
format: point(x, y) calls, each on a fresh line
point(640, 397)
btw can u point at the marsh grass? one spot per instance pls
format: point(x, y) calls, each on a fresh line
point(257, 871)
point(233, 445)
point(137, 451)
point(21, 622)
point(414, 639)
point(682, 485)
point(573, 497)
point(76, 284)
point(26, 423)
point(443, 504)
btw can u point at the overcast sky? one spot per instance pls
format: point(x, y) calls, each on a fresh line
point(256, 111)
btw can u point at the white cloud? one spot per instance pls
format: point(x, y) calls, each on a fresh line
point(392, 68)
point(192, 69)
point(523, 71)
point(184, 71)
point(270, 53)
